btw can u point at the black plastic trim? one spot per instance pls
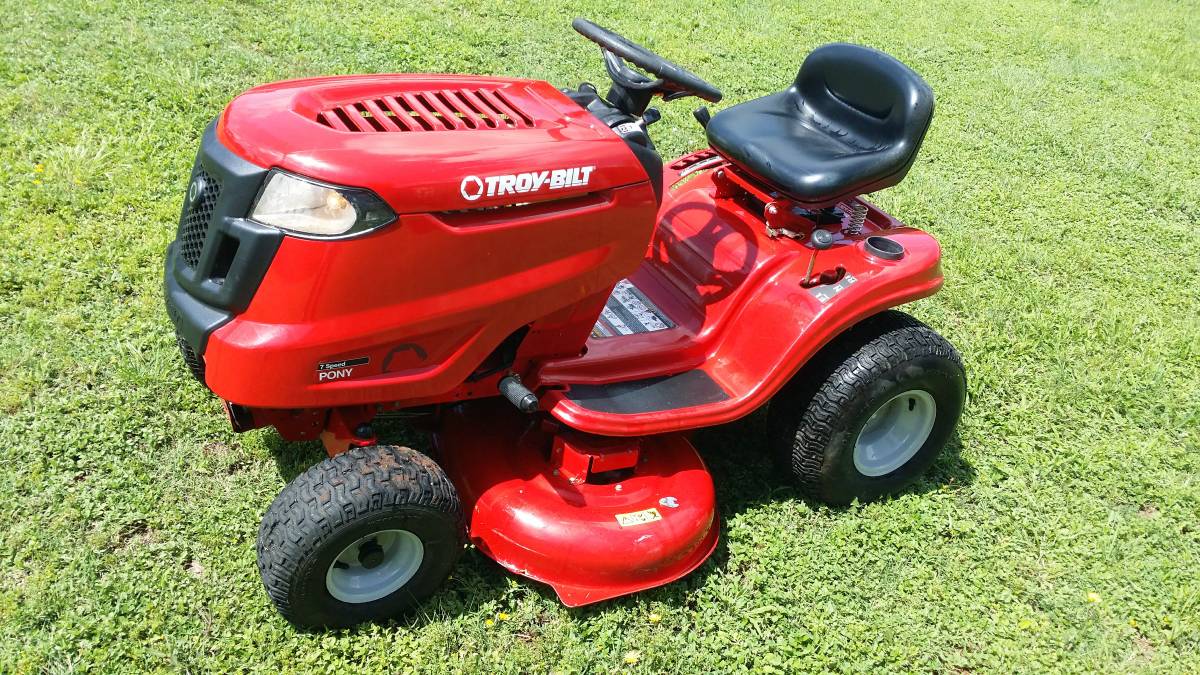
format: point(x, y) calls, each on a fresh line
point(651, 161)
point(635, 136)
point(655, 394)
point(238, 278)
point(882, 247)
point(194, 321)
point(236, 253)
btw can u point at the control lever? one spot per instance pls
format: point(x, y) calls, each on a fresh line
point(651, 116)
point(702, 115)
point(820, 240)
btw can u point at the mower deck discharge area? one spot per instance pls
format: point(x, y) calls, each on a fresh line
point(513, 265)
point(592, 517)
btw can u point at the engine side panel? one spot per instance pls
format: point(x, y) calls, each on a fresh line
point(409, 312)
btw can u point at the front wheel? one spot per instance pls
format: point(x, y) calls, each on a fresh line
point(363, 536)
point(871, 412)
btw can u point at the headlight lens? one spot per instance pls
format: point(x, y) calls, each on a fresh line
point(300, 205)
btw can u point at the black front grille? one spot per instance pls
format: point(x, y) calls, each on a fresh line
point(195, 224)
point(194, 363)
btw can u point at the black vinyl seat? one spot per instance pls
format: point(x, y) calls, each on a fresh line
point(850, 124)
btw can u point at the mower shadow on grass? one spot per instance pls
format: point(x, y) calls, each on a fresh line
point(294, 458)
point(744, 475)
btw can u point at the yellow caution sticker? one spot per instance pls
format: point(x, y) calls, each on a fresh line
point(638, 517)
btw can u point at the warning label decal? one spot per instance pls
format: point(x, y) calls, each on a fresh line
point(638, 517)
point(627, 312)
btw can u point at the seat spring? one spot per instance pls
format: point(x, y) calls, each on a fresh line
point(858, 216)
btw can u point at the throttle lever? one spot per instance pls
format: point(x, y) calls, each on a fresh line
point(819, 240)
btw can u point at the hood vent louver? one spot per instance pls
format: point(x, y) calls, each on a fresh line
point(444, 110)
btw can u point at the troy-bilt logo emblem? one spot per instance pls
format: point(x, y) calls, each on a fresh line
point(336, 370)
point(474, 187)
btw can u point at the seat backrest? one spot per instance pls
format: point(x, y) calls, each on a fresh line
point(867, 98)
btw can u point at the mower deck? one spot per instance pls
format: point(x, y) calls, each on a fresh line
point(595, 518)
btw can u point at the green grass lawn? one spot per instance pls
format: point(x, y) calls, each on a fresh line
point(1060, 532)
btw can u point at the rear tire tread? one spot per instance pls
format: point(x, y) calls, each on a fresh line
point(840, 374)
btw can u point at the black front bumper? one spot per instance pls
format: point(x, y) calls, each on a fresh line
point(219, 257)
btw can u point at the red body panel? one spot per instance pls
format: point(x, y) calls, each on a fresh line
point(425, 300)
point(740, 309)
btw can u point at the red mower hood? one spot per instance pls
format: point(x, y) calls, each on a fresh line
point(431, 142)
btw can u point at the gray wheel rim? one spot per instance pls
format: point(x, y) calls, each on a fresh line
point(349, 580)
point(894, 433)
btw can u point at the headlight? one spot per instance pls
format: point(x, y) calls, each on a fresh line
point(300, 205)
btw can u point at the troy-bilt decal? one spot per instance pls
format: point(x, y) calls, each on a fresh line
point(336, 370)
point(474, 187)
point(638, 517)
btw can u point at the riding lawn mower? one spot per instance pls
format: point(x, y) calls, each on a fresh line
point(516, 268)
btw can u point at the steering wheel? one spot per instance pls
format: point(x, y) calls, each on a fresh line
point(673, 81)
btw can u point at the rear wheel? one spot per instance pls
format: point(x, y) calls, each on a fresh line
point(360, 537)
point(871, 412)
